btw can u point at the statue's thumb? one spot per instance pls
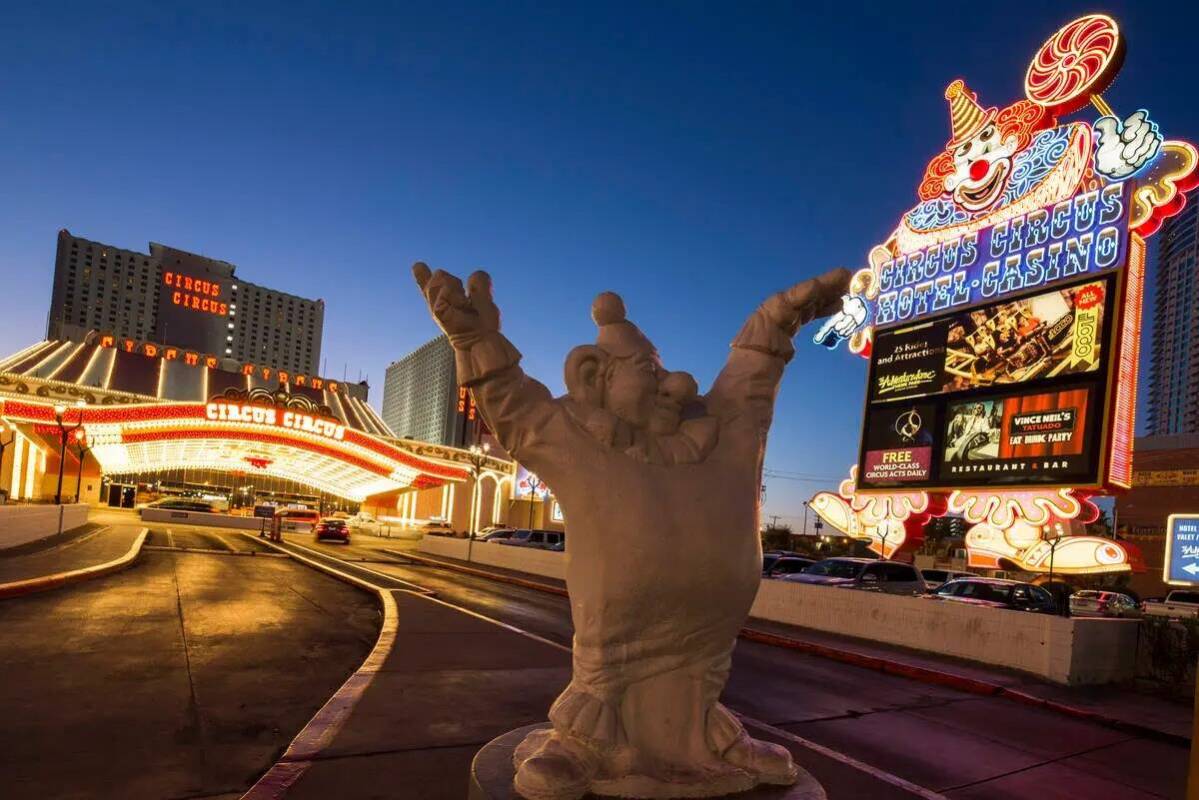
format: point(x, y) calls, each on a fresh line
point(422, 273)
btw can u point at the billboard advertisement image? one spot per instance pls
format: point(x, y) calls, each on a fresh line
point(1047, 335)
point(900, 444)
point(1043, 437)
point(1009, 393)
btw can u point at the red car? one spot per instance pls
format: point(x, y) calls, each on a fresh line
point(330, 528)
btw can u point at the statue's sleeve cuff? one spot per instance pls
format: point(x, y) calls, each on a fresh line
point(762, 334)
point(480, 356)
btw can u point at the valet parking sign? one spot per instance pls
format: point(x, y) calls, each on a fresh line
point(1182, 550)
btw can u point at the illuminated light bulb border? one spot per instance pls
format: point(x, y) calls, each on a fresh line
point(321, 472)
point(134, 437)
point(130, 415)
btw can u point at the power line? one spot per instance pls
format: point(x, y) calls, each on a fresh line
point(814, 479)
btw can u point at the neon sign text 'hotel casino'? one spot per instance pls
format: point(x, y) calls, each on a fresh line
point(1084, 234)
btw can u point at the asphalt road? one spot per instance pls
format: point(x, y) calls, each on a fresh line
point(958, 744)
point(182, 677)
point(185, 676)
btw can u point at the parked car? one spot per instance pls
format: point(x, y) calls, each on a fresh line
point(332, 528)
point(786, 565)
point(494, 534)
point(362, 521)
point(1179, 604)
point(997, 593)
point(437, 528)
point(877, 575)
point(297, 519)
point(1097, 603)
point(933, 578)
point(542, 540)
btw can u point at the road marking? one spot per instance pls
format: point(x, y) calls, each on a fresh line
point(842, 758)
point(415, 587)
point(170, 538)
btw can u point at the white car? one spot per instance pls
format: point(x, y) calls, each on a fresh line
point(362, 521)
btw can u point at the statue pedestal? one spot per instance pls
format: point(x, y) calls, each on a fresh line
point(491, 775)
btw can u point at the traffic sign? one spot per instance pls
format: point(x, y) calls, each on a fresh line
point(1182, 550)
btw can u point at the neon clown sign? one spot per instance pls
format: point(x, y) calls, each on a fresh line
point(1001, 317)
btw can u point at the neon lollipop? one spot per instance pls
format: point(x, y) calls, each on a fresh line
point(1075, 65)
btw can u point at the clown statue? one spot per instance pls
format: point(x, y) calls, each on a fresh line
point(661, 487)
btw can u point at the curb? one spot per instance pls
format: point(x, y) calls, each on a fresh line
point(912, 671)
point(44, 583)
point(320, 731)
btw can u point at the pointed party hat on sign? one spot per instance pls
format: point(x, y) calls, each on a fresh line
point(966, 116)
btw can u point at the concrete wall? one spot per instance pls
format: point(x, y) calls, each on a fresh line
point(20, 524)
point(1063, 650)
point(211, 520)
point(548, 563)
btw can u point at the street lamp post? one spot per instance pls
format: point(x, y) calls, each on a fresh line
point(63, 431)
point(81, 443)
point(805, 517)
point(535, 485)
point(478, 457)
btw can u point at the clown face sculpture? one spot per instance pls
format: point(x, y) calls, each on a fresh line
point(982, 155)
point(641, 462)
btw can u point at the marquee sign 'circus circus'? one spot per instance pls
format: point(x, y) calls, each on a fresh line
point(1001, 316)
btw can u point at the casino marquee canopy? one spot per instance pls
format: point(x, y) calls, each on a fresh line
point(142, 413)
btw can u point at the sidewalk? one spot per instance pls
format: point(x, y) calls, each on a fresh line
point(91, 549)
point(1111, 704)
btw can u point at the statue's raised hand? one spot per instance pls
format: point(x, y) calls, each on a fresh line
point(463, 316)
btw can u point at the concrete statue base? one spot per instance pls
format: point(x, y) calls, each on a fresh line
point(493, 770)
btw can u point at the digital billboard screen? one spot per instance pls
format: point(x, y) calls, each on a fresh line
point(1011, 392)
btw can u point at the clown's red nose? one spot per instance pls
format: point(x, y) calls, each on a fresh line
point(978, 170)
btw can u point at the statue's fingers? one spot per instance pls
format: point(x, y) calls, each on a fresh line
point(822, 294)
point(478, 285)
point(420, 271)
point(446, 288)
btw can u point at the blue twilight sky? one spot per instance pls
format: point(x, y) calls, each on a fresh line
point(693, 158)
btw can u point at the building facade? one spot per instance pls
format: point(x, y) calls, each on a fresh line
point(1174, 369)
point(422, 400)
point(172, 297)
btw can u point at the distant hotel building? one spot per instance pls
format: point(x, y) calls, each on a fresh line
point(1174, 370)
point(173, 297)
point(422, 400)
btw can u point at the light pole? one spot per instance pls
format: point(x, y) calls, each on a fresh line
point(478, 457)
point(81, 443)
point(4, 428)
point(805, 517)
point(59, 411)
point(535, 485)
